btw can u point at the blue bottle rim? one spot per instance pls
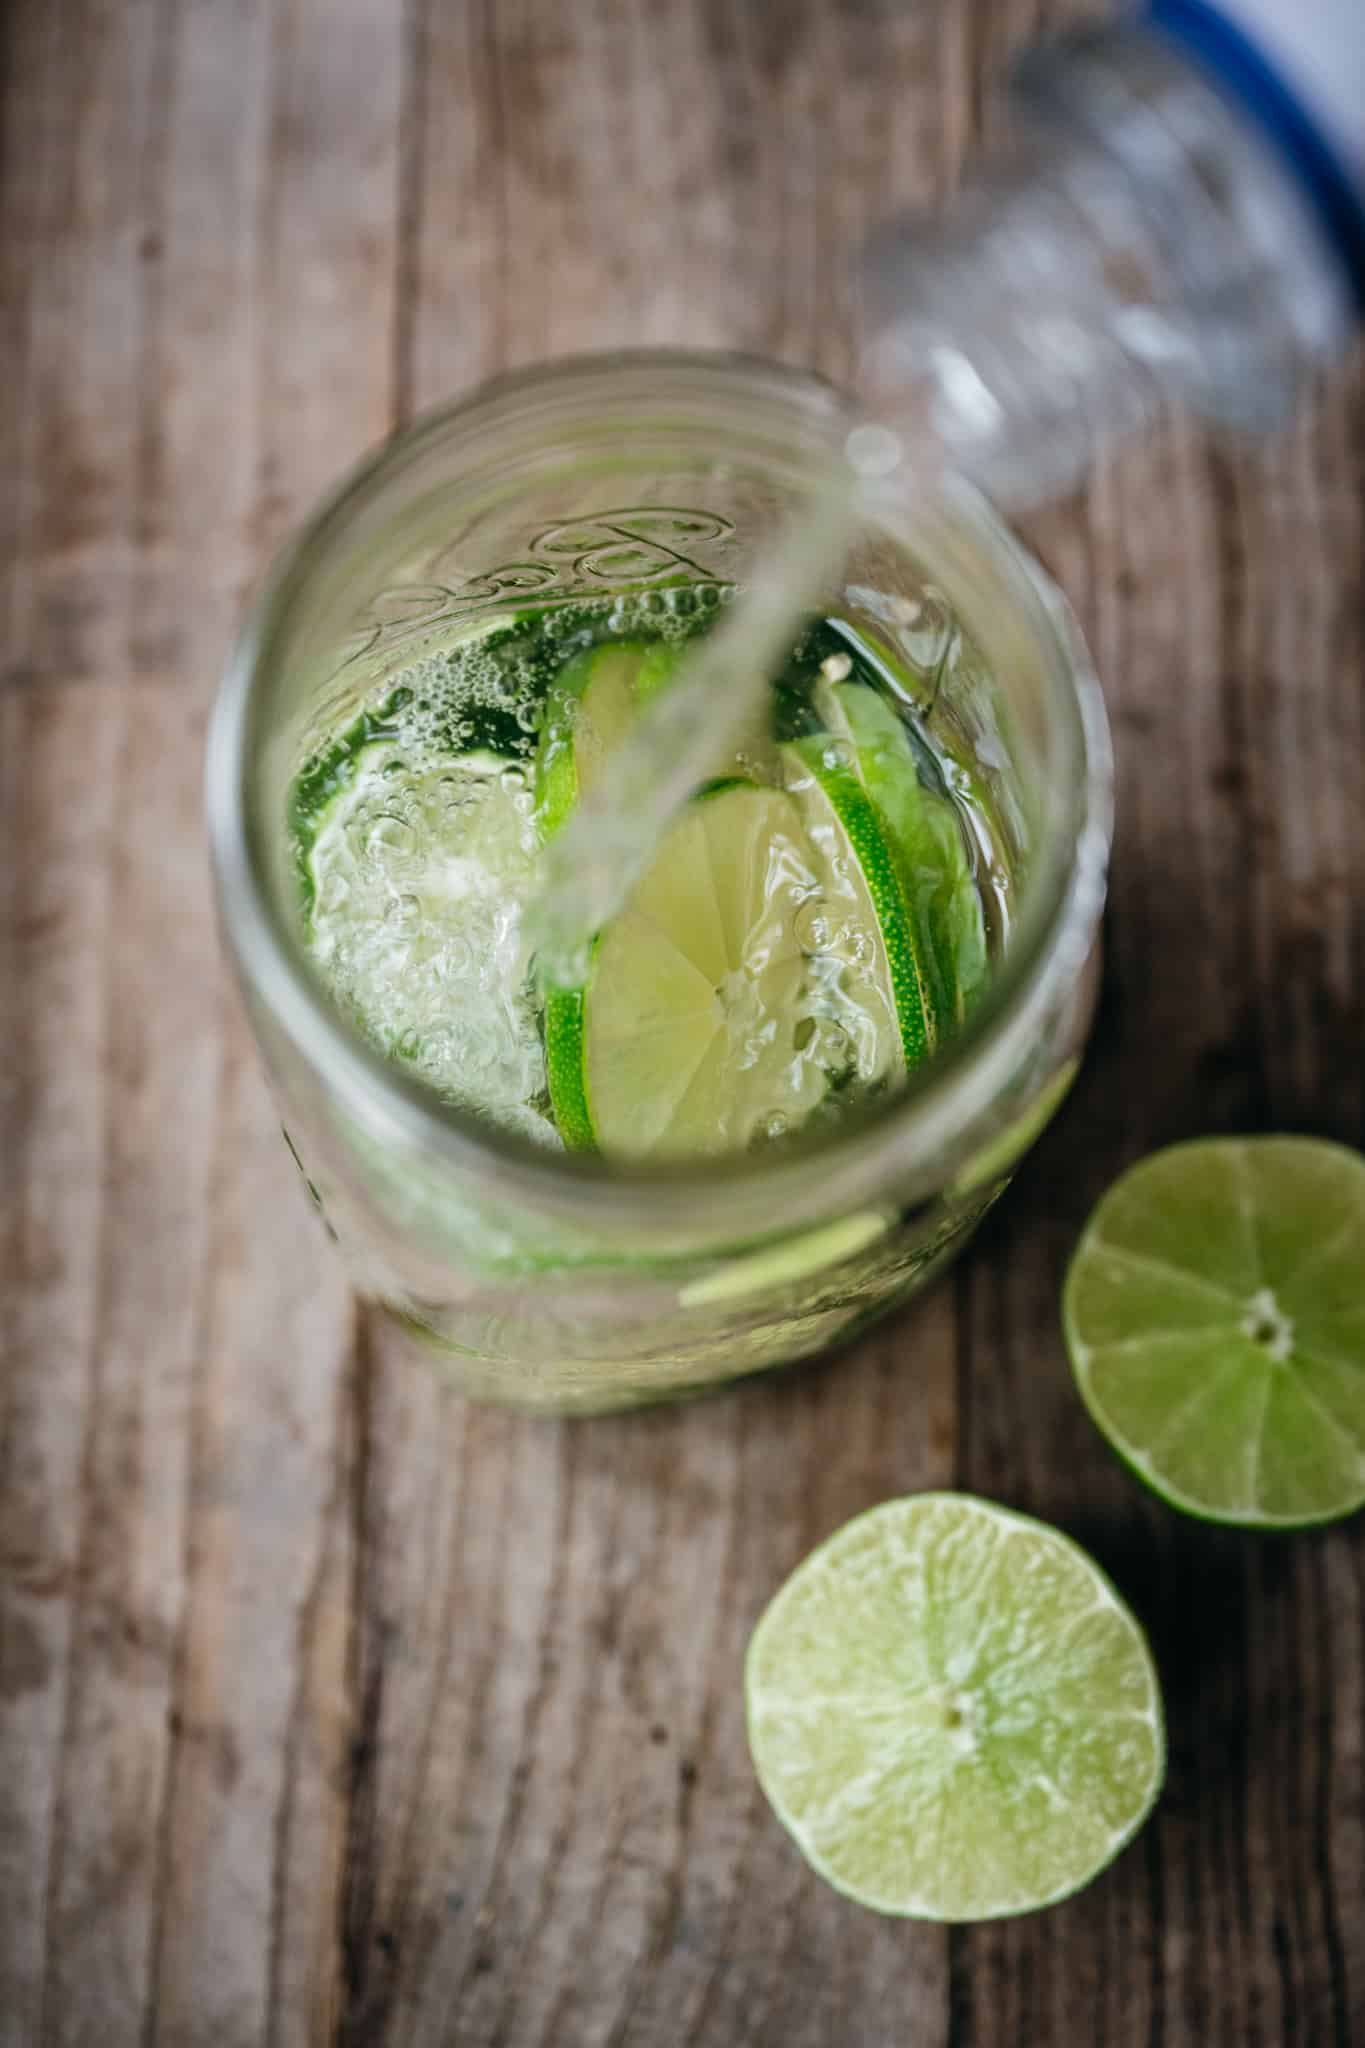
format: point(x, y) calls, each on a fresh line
point(1233, 63)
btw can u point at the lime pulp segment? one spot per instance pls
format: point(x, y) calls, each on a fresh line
point(953, 1712)
point(690, 1016)
point(1215, 1316)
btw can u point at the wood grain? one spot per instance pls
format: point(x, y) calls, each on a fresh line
point(332, 1710)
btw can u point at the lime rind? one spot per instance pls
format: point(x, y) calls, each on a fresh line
point(863, 828)
point(563, 1031)
point(953, 1712)
point(1214, 1312)
point(589, 711)
point(928, 842)
point(592, 705)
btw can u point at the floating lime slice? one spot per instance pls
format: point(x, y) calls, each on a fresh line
point(592, 706)
point(771, 949)
point(860, 856)
point(688, 1037)
point(1215, 1315)
point(926, 840)
point(953, 1712)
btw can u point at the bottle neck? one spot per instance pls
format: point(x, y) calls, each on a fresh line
point(1140, 243)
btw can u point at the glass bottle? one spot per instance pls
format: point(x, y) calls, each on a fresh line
point(1178, 217)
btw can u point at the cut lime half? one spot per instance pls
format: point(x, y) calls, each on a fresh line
point(1215, 1316)
point(953, 1712)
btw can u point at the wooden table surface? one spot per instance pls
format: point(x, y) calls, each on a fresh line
point(332, 1709)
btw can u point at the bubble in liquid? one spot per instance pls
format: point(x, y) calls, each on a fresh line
point(390, 836)
point(811, 926)
point(455, 958)
point(513, 780)
point(403, 913)
point(832, 1047)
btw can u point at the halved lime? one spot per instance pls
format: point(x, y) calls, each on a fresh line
point(953, 1712)
point(1215, 1316)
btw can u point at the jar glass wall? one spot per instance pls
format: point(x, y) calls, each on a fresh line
point(554, 1279)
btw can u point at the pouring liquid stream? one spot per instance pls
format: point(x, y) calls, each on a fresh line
point(590, 866)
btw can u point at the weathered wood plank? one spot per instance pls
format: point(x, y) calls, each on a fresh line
point(80, 1626)
point(301, 369)
point(174, 1647)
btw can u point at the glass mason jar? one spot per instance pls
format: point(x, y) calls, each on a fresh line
point(551, 1279)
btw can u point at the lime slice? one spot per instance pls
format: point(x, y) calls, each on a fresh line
point(412, 868)
point(769, 952)
point(866, 887)
point(1215, 1316)
point(926, 838)
point(698, 1027)
point(953, 1712)
point(592, 705)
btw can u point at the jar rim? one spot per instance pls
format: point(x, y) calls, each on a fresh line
point(937, 1105)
